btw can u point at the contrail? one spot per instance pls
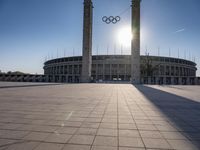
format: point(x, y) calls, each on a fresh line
point(181, 30)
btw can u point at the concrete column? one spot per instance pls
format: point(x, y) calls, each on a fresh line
point(149, 80)
point(103, 72)
point(195, 80)
point(60, 78)
point(164, 80)
point(125, 75)
point(188, 81)
point(67, 69)
point(97, 71)
point(46, 78)
point(110, 72)
point(73, 78)
point(135, 43)
point(78, 70)
point(165, 69)
point(180, 81)
point(157, 80)
point(73, 72)
point(87, 42)
point(142, 80)
point(53, 78)
point(118, 71)
point(172, 80)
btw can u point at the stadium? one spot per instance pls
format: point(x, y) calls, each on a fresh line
point(133, 68)
point(117, 68)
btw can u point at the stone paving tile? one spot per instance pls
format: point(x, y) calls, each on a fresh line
point(146, 122)
point(108, 125)
point(193, 135)
point(93, 120)
point(109, 120)
point(129, 148)
point(10, 134)
point(82, 139)
point(146, 127)
point(49, 146)
point(72, 124)
point(129, 133)
point(107, 132)
point(3, 148)
point(10, 126)
point(38, 122)
point(90, 125)
point(78, 119)
point(165, 128)
point(130, 142)
point(86, 131)
point(127, 126)
point(67, 130)
point(150, 134)
point(76, 147)
point(23, 146)
point(106, 141)
point(173, 136)
point(36, 136)
point(104, 148)
point(58, 138)
point(124, 120)
point(3, 132)
point(42, 128)
point(156, 143)
point(7, 142)
point(182, 145)
point(27, 127)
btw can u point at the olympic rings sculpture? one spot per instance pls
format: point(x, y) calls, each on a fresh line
point(111, 19)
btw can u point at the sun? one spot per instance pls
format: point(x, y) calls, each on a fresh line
point(125, 36)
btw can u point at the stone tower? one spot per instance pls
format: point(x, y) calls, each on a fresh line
point(135, 44)
point(87, 42)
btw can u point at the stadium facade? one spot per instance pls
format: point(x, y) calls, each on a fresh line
point(114, 68)
point(107, 68)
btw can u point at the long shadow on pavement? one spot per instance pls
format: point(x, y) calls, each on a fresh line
point(182, 112)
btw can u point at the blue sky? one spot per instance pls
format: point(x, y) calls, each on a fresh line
point(31, 30)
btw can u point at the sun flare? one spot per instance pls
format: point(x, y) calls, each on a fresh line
point(125, 36)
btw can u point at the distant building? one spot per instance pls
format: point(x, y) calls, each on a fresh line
point(109, 68)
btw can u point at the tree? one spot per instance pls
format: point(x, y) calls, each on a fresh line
point(147, 68)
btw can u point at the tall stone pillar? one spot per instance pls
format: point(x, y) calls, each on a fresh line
point(87, 42)
point(135, 43)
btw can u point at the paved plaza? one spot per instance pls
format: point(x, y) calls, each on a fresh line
point(99, 117)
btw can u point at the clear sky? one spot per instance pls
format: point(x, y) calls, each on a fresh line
point(31, 30)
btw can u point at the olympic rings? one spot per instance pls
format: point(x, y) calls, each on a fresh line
point(111, 19)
